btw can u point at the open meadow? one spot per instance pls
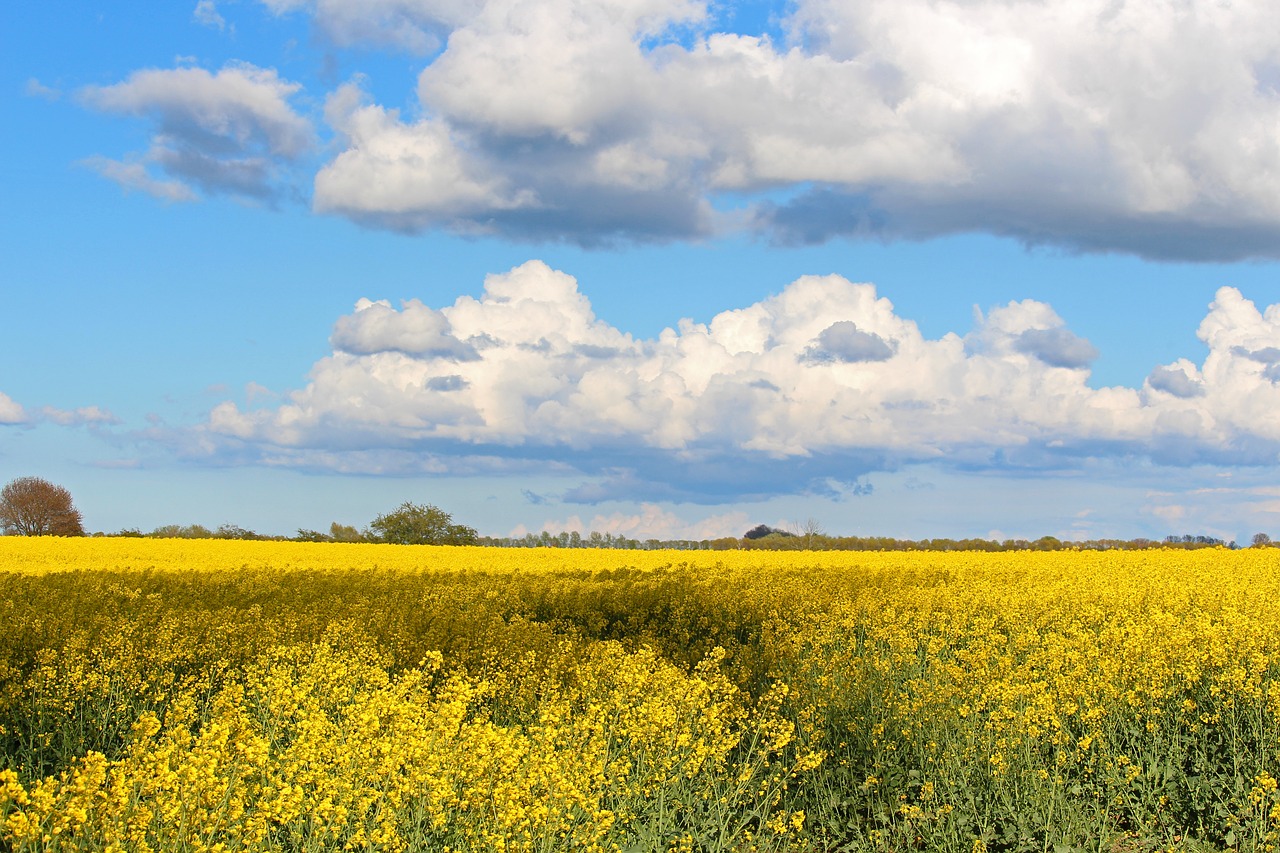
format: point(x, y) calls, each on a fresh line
point(175, 695)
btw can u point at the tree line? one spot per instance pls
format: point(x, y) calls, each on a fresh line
point(31, 506)
point(407, 524)
point(779, 540)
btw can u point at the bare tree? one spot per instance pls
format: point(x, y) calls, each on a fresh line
point(30, 506)
point(811, 530)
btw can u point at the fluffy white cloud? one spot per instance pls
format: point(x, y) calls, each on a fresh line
point(803, 391)
point(10, 411)
point(1147, 126)
point(574, 69)
point(222, 132)
point(404, 175)
point(1181, 379)
point(1242, 388)
point(414, 330)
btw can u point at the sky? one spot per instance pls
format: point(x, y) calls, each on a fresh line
point(661, 268)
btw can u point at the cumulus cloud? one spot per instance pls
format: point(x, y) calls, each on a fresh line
point(414, 330)
point(1181, 379)
point(431, 172)
point(843, 341)
point(1269, 357)
point(1057, 347)
point(1032, 329)
point(803, 392)
point(404, 176)
point(222, 132)
point(10, 411)
point(1138, 127)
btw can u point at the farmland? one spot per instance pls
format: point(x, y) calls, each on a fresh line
point(221, 695)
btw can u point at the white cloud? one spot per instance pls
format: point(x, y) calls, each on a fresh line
point(1181, 379)
point(35, 89)
point(228, 131)
point(1225, 512)
point(206, 13)
point(82, 416)
point(413, 25)
point(651, 522)
point(1146, 127)
point(1172, 514)
point(253, 392)
point(134, 176)
point(1057, 347)
point(402, 175)
point(844, 341)
point(10, 411)
point(528, 375)
point(571, 69)
point(414, 330)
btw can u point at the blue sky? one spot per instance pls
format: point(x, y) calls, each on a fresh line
point(656, 267)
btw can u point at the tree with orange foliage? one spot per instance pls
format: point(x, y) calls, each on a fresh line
point(31, 506)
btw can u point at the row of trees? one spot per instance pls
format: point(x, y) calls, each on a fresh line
point(30, 506)
point(809, 536)
point(407, 524)
point(784, 540)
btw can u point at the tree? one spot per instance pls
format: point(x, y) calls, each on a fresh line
point(30, 506)
point(181, 531)
point(760, 531)
point(1261, 540)
point(235, 531)
point(344, 533)
point(811, 530)
point(420, 524)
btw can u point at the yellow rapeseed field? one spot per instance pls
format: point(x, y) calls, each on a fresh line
point(215, 695)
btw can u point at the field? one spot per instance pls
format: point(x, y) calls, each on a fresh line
point(212, 695)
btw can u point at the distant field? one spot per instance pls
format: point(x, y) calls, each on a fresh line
point(214, 695)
